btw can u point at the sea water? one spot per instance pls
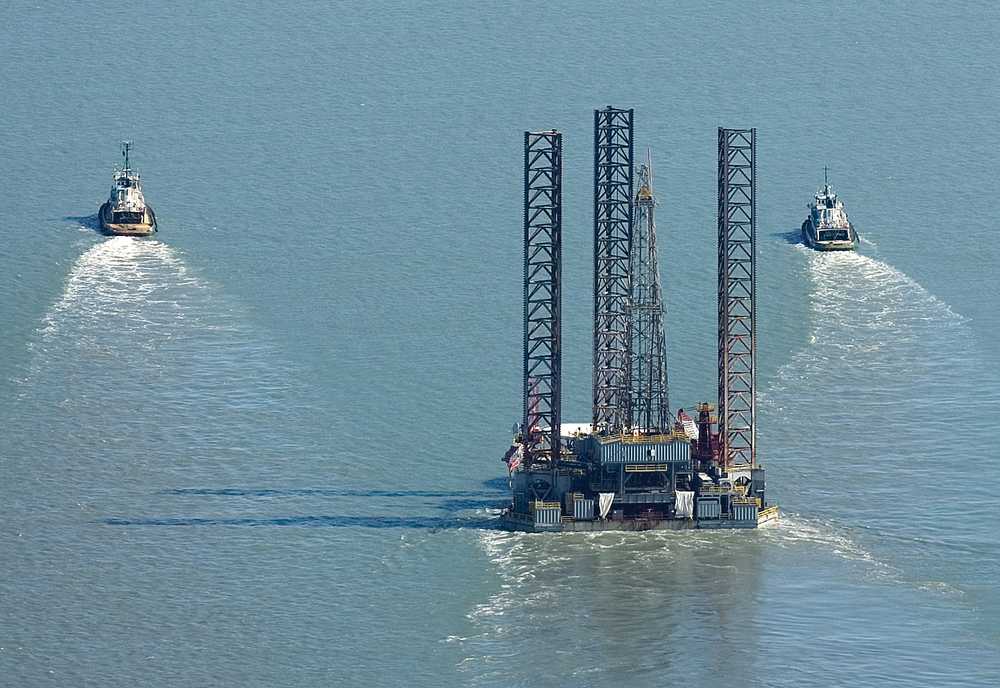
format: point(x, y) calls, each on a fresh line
point(263, 448)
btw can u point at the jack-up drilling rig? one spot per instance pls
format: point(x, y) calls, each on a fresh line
point(635, 466)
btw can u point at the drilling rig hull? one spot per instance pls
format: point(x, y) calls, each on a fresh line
point(634, 483)
point(523, 524)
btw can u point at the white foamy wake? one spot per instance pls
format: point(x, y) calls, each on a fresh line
point(115, 278)
point(795, 530)
point(134, 325)
point(850, 278)
point(873, 295)
point(874, 331)
point(851, 413)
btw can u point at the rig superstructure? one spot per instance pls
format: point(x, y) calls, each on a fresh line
point(635, 465)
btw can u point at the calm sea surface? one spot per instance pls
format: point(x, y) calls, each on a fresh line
point(263, 448)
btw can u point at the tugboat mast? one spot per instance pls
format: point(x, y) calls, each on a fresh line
point(126, 147)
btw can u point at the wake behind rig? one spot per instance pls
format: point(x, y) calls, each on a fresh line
point(635, 465)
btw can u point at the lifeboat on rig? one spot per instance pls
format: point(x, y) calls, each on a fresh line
point(827, 227)
point(126, 213)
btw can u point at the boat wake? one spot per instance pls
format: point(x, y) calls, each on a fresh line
point(120, 278)
point(859, 417)
point(875, 334)
point(139, 356)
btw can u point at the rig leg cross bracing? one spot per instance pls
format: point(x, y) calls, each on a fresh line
point(650, 401)
point(737, 333)
point(613, 189)
point(542, 294)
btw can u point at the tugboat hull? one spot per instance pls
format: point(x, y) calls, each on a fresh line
point(144, 228)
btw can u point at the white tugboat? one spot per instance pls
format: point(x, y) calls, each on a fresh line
point(827, 227)
point(125, 212)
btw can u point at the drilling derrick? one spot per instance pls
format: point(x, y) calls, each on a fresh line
point(613, 190)
point(650, 404)
point(737, 309)
point(542, 295)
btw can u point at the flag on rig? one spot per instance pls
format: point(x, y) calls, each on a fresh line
point(690, 428)
point(513, 458)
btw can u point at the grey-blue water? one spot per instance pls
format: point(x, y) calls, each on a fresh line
point(263, 448)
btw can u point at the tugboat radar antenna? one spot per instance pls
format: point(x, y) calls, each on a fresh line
point(826, 181)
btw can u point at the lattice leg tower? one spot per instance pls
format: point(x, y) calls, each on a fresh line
point(542, 294)
point(737, 308)
point(613, 189)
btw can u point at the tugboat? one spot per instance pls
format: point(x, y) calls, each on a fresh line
point(827, 227)
point(125, 213)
